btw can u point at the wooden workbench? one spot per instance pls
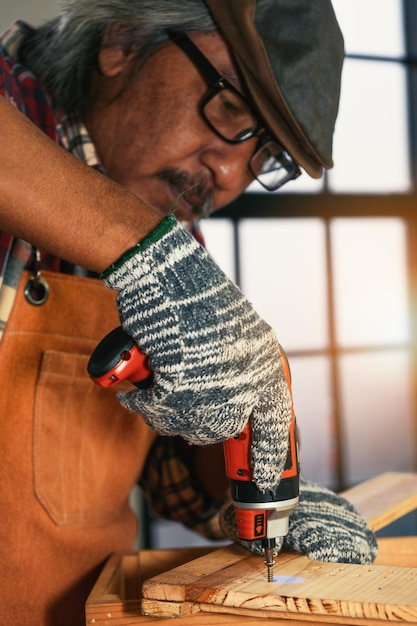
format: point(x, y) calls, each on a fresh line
point(200, 586)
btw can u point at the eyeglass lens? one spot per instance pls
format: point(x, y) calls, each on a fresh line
point(229, 115)
point(231, 118)
point(272, 166)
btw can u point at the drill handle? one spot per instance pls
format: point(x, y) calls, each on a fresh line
point(237, 455)
point(116, 358)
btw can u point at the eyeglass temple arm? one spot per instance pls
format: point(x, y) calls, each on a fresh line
point(209, 72)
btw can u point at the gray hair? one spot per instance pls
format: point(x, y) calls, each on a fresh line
point(63, 52)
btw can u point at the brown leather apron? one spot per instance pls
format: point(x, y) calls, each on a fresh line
point(69, 455)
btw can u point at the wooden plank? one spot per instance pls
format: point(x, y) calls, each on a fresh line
point(232, 580)
point(115, 598)
point(212, 587)
point(301, 588)
point(114, 601)
point(384, 499)
point(397, 551)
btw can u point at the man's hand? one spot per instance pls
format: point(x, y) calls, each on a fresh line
point(324, 526)
point(216, 363)
point(327, 527)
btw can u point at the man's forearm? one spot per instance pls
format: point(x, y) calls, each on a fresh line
point(60, 204)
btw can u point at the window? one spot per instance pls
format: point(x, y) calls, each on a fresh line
point(331, 264)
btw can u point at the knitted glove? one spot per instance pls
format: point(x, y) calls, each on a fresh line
point(215, 362)
point(327, 527)
point(324, 526)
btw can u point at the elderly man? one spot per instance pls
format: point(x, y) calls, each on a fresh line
point(166, 107)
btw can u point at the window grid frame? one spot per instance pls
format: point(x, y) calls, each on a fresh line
point(328, 205)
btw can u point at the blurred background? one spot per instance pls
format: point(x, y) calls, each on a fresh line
point(332, 264)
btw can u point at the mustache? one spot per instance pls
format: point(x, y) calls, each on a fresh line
point(194, 188)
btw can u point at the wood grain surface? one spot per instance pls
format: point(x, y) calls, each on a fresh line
point(209, 587)
point(231, 580)
point(385, 498)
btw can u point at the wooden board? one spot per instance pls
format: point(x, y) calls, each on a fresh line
point(115, 599)
point(397, 551)
point(233, 581)
point(230, 580)
point(384, 499)
point(115, 596)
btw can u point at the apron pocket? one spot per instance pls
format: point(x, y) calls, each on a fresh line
point(86, 448)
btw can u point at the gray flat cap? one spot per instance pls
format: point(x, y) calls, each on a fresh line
point(290, 53)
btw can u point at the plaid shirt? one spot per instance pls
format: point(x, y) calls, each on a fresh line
point(166, 480)
point(21, 88)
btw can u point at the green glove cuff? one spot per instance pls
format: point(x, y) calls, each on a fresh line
point(157, 233)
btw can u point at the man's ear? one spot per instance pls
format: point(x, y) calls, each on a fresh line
point(113, 59)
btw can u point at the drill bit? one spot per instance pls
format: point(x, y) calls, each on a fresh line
point(269, 562)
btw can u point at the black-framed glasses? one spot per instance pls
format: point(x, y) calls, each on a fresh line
point(229, 114)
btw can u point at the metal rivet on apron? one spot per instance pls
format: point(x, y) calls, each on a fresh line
point(37, 288)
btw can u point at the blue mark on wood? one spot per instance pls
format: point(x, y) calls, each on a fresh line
point(287, 579)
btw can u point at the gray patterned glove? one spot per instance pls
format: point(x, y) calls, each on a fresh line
point(324, 526)
point(327, 527)
point(216, 363)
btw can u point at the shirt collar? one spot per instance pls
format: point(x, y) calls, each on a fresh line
point(73, 136)
point(71, 133)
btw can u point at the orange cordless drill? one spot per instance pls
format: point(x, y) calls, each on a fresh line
point(259, 515)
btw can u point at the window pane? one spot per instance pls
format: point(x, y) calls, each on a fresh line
point(378, 414)
point(371, 27)
point(313, 408)
point(370, 141)
point(370, 281)
point(283, 274)
point(218, 237)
